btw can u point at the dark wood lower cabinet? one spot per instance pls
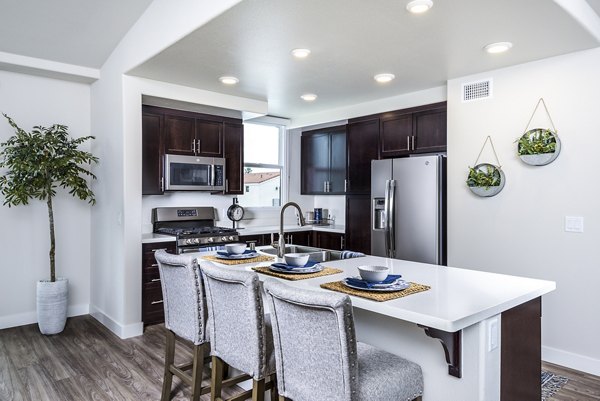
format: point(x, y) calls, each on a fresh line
point(152, 299)
point(521, 353)
point(329, 240)
point(257, 239)
point(358, 223)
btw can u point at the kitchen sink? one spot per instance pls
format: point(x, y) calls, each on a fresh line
point(315, 254)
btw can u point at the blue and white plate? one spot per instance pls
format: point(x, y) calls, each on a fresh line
point(283, 268)
point(397, 285)
point(230, 256)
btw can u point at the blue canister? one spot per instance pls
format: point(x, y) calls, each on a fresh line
point(318, 212)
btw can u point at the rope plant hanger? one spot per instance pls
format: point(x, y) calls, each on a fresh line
point(486, 179)
point(539, 146)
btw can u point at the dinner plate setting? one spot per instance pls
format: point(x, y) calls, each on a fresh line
point(310, 267)
point(391, 283)
point(248, 254)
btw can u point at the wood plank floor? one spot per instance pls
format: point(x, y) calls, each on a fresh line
point(580, 387)
point(86, 362)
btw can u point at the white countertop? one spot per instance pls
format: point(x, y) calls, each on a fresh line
point(290, 228)
point(151, 237)
point(457, 299)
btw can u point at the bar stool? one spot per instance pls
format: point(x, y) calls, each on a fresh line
point(318, 357)
point(240, 334)
point(185, 318)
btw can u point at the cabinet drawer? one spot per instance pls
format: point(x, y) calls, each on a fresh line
point(152, 296)
point(150, 275)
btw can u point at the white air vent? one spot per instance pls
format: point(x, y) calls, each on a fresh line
point(477, 90)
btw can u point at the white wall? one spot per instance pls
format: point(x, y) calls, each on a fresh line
point(24, 236)
point(521, 230)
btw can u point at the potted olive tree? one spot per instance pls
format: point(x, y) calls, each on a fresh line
point(35, 165)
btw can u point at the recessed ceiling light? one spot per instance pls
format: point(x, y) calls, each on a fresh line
point(309, 97)
point(300, 53)
point(383, 78)
point(419, 6)
point(229, 80)
point(499, 47)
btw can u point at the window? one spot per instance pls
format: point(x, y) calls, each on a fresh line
point(263, 165)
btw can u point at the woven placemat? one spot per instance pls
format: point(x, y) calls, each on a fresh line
point(373, 295)
point(292, 276)
point(260, 258)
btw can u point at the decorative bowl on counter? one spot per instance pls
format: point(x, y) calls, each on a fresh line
point(373, 273)
point(235, 249)
point(296, 259)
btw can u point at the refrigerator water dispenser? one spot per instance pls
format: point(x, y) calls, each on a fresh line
point(378, 214)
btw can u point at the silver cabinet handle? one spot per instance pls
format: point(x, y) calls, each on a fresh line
point(227, 185)
point(341, 243)
point(162, 184)
point(154, 280)
point(345, 185)
point(154, 265)
point(194, 146)
point(413, 142)
point(198, 146)
point(159, 249)
point(408, 143)
point(156, 302)
point(324, 186)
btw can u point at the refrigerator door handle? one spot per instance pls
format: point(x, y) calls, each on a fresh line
point(391, 217)
point(386, 223)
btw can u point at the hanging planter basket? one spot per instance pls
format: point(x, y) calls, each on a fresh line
point(539, 146)
point(486, 179)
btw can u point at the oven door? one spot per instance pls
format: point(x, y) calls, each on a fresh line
point(191, 173)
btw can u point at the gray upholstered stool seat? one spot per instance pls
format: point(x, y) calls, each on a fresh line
point(185, 318)
point(385, 376)
point(240, 334)
point(318, 357)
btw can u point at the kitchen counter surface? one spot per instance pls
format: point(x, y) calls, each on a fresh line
point(458, 297)
point(291, 228)
point(148, 238)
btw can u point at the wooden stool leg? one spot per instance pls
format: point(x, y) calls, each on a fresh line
point(274, 391)
point(197, 371)
point(282, 398)
point(169, 359)
point(216, 381)
point(258, 390)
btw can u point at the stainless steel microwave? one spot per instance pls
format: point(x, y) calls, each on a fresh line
point(194, 173)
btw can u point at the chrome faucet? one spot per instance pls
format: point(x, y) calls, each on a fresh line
point(281, 242)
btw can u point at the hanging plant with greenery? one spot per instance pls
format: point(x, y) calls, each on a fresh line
point(484, 176)
point(537, 141)
point(39, 162)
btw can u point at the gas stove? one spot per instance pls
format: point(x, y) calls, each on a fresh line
point(194, 228)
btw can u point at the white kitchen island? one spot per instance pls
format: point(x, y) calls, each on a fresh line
point(490, 323)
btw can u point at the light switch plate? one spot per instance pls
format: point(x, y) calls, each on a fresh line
point(574, 224)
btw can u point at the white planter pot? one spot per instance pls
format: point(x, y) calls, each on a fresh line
point(52, 305)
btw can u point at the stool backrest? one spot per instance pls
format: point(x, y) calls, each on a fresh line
point(235, 308)
point(315, 343)
point(183, 296)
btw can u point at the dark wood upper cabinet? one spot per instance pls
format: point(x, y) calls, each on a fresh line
point(395, 135)
point(233, 134)
point(209, 138)
point(152, 153)
point(193, 134)
point(362, 147)
point(416, 130)
point(323, 160)
point(430, 130)
point(180, 135)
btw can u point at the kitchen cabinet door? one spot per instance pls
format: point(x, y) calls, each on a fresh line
point(180, 135)
point(395, 135)
point(209, 138)
point(299, 238)
point(358, 223)
point(328, 240)
point(362, 139)
point(337, 166)
point(430, 130)
point(152, 153)
point(257, 239)
point(233, 134)
point(315, 163)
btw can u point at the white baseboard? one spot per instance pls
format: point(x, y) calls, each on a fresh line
point(123, 331)
point(570, 360)
point(22, 319)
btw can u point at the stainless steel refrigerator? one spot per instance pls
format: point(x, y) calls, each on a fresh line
point(408, 208)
